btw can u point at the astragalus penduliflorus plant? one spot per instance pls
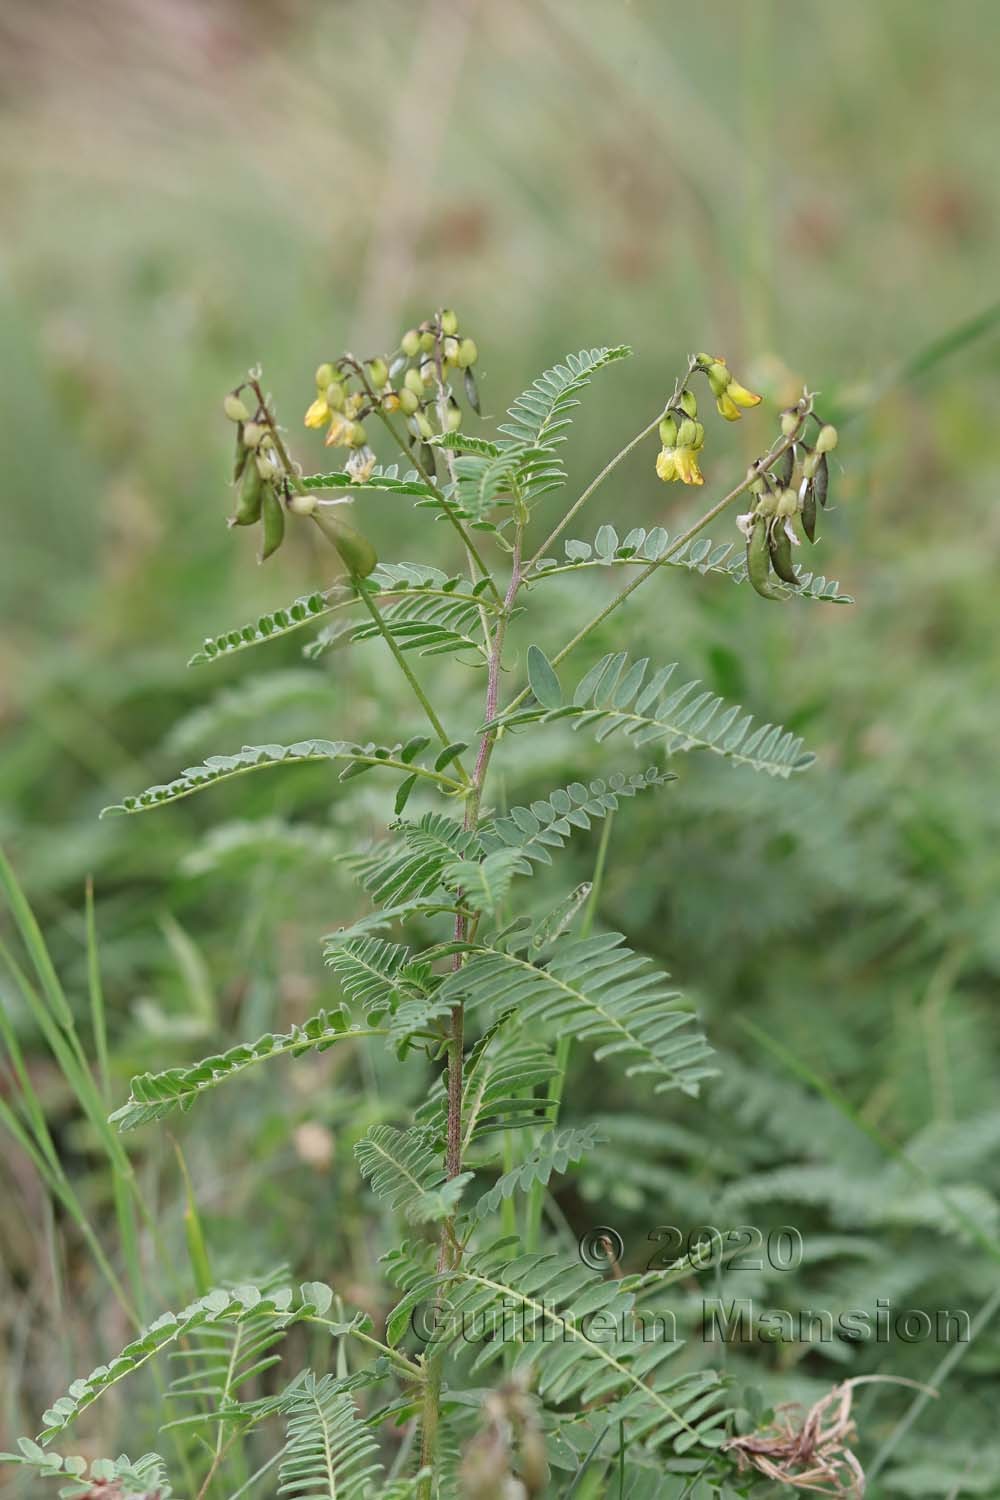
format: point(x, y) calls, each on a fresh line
point(512, 1367)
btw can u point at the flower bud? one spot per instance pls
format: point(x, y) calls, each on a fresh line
point(325, 373)
point(427, 340)
point(687, 434)
point(379, 372)
point(413, 382)
point(423, 425)
point(235, 409)
point(450, 348)
point(252, 434)
point(317, 413)
point(688, 404)
point(409, 400)
point(428, 373)
point(353, 404)
point(467, 354)
point(301, 505)
point(449, 321)
point(827, 439)
point(357, 435)
point(718, 376)
point(336, 396)
point(410, 343)
point(390, 401)
point(810, 464)
point(699, 435)
point(668, 432)
point(454, 418)
point(790, 421)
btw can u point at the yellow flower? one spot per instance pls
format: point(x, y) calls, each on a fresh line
point(317, 413)
point(727, 406)
point(679, 463)
point(741, 395)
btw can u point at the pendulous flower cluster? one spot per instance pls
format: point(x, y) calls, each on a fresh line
point(785, 501)
point(682, 436)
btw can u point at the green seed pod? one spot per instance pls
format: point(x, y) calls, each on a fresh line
point(409, 400)
point(235, 409)
point(379, 372)
point(471, 391)
point(355, 550)
point(248, 503)
point(449, 321)
point(252, 433)
point(241, 455)
point(668, 432)
point(302, 505)
point(759, 562)
point(273, 516)
point(688, 404)
point(827, 439)
point(809, 512)
point(821, 483)
point(784, 468)
point(790, 421)
point(428, 457)
point(780, 549)
point(467, 353)
point(413, 381)
point(325, 374)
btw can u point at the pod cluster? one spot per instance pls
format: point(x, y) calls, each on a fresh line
point(786, 497)
point(258, 473)
point(415, 381)
point(266, 491)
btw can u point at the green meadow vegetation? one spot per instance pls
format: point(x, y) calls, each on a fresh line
point(591, 1002)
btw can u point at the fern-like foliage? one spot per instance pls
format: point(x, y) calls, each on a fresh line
point(375, 973)
point(426, 611)
point(153, 1095)
point(302, 611)
point(483, 884)
point(412, 865)
point(640, 547)
point(554, 1153)
point(223, 1358)
point(146, 1477)
point(359, 758)
point(386, 478)
point(524, 463)
point(550, 821)
point(614, 695)
point(240, 1304)
point(406, 1172)
point(499, 1082)
point(583, 1337)
point(596, 990)
point(330, 1452)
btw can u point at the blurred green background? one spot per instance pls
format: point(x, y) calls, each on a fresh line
point(810, 190)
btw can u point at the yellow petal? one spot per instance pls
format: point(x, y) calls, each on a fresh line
point(687, 466)
point(666, 468)
point(340, 431)
point(741, 395)
point(317, 413)
point(727, 406)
